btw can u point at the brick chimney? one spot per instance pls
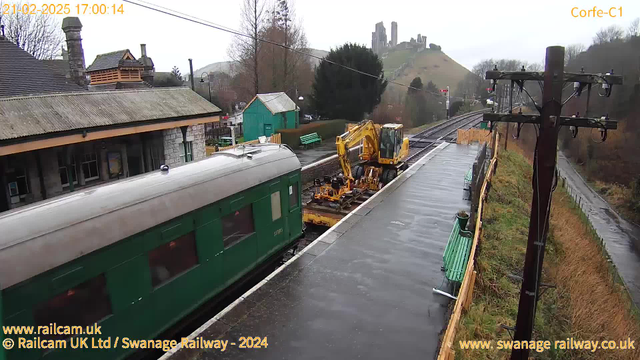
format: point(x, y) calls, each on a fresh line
point(148, 70)
point(72, 27)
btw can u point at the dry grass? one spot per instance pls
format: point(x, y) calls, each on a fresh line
point(620, 197)
point(600, 307)
point(588, 303)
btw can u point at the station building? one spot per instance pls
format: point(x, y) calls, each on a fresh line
point(58, 134)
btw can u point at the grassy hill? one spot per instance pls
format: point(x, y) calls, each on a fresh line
point(428, 65)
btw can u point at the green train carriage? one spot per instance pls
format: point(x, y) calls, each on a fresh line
point(137, 255)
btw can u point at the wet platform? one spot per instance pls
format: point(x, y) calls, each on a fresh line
point(363, 289)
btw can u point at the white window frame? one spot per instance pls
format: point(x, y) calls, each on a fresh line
point(276, 206)
point(88, 162)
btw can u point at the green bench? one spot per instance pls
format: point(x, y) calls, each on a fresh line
point(456, 254)
point(310, 139)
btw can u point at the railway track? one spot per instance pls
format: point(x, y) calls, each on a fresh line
point(426, 139)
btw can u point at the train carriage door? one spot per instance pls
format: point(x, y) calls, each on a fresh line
point(294, 209)
point(277, 214)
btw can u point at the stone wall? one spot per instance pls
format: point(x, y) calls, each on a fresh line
point(173, 146)
point(196, 134)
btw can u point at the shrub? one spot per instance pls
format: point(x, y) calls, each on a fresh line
point(327, 129)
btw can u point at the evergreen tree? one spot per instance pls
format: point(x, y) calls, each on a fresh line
point(175, 72)
point(341, 93)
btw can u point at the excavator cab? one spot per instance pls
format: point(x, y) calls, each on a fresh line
point(393, 146)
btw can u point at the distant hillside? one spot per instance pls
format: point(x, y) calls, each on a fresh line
point(403, 65)
point(222, 66)
point(314, 61)
point(228, 68)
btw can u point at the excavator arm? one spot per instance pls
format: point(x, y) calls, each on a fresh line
point(364, 130)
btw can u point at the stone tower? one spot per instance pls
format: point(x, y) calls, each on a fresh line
point(394, 33)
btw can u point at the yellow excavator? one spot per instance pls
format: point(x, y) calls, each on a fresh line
point(383, 152)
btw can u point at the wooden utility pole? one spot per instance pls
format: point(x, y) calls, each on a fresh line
point(544, 166)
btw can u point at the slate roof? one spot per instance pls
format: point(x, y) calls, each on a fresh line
point(45, 114)
point(58, 66)
point(276, 102)
point(112, 60)
point(21, 74)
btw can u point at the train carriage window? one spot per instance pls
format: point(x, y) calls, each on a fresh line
point(237, 226)
point(83, 305)
point(276, 208)
point(173, 258)
point(293, 195)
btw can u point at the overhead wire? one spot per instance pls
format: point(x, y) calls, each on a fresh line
point(193, 19)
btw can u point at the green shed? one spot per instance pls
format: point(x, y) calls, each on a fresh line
point(267, 113)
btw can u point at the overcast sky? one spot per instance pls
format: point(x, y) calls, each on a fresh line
point(468, 31)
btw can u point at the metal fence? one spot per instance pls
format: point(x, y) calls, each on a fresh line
point(478, 171)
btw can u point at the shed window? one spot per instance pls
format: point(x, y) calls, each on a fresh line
point(293, 195)
point(173, 258)
point(276, 208)
point(237, 226)
point(83, 305)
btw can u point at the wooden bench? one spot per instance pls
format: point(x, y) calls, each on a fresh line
point(310, 139)
point(456, 254)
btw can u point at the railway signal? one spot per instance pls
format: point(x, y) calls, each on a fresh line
point(549, 121)
point(446, 92)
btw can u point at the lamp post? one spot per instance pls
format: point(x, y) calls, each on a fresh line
point(300, 99)
point(208, 82)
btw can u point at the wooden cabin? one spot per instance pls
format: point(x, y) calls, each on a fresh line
point(115, 67)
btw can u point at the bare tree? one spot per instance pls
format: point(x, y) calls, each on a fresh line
point(572, 51)
point(38, 34)
point(610, 34)
point(535, 66)
point(246, 51)
point(634, 28)
point(287, 64)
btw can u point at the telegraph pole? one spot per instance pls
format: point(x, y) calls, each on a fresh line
point(544, 165)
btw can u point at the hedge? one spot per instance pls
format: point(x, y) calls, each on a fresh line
point(327, 129)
